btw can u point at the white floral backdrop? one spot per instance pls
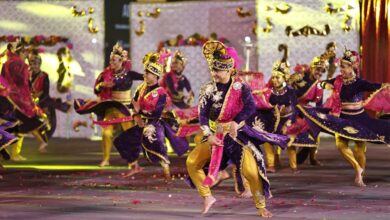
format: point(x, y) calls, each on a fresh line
point(304, 12)
point(54, 18)
point(187, 18)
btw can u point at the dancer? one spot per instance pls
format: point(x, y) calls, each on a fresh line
point(16, 74)
point(306, 82)
point(226, 102)
point(150, 132)
point(175, 82)
point(113, 88)
point(348, 120)
point(40, 88)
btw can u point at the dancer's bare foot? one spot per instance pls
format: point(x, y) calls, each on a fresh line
point(133, 171)
point(104, 163)
point(246, 194)
point(295, 170)
point(359, 178)
point(42, 148)
point(208, 202)
point(18, 158)
point(271, 169)
point(315, 162)
point(222, 175)
point(264, 213)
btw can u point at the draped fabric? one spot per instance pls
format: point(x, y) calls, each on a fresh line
point(375, 40)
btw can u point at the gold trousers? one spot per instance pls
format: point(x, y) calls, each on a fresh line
point(269, 154)
point(108, 132)
point(201, 154)
point(17, 146)
point(356, 158)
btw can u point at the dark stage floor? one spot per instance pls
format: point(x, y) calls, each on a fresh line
point(66, 184)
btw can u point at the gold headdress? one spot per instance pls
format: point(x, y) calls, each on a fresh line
point(117, 50)
point(179, 57)
point(216, 55)
point(281, 68)
point(151, 64)
point(320, 62)
point(350, 57)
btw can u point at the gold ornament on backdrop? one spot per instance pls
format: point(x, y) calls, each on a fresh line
point(346, 25)
point(76, 13)
point(331, 9)
point(283, 8)
point(91, 28)
point(91, 10)
point(306, 31)
point(154, 14)
point(140, 13)
point(254, 27)
point(241, 13)
point(141, 30)
point(269, 26)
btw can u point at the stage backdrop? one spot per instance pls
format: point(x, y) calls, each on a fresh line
point(31, 18)
point(275, 17)
point(188, 18)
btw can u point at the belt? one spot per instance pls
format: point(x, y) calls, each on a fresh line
point(352, 105)
point(122, 96)
point(222, 127)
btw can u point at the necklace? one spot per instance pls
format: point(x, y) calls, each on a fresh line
point(120, 75)
point(279, 92)
point(350, 80)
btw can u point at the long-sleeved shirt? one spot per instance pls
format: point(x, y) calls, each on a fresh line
point(157, 110)
point(122, 80)
point(354, 92)
point(288, 99)
point(40, 87)
point(213, 96)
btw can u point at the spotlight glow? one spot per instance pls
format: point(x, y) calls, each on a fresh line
point(13, 25)
point(45, 10)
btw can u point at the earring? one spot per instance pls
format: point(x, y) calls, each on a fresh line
point(284, 84)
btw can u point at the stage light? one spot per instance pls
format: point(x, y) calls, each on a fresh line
point(247, 39)
point(45, 10)
point(94, 40)
point(13, 25)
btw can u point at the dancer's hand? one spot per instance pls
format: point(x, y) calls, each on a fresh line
point(329, 86)
point(233, 129)
point(136, 106)
point(107, 84)
point(213, 140)
point(139, 121)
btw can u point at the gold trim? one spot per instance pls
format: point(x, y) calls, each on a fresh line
point(277, 116)
point(308, 90)
point(352, 103)
point(153, 152)
point(303, 145)
point(374, 93)
point(331, 130)
point(262, 175)
point(353, 113)
point(9, 143)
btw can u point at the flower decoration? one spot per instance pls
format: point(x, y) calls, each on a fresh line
point(193, 40)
